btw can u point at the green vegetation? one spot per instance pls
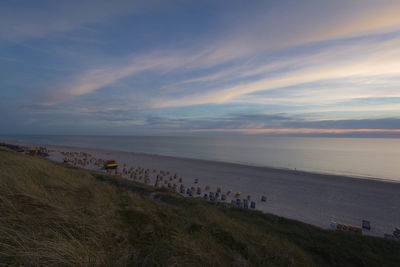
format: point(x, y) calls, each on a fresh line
point(54, 214)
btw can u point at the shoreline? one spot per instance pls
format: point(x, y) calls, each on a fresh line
point(305, 196)
point(272, 168)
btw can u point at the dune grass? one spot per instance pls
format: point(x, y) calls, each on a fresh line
point(54, 214)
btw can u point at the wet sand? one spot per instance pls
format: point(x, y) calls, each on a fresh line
point(309, 197)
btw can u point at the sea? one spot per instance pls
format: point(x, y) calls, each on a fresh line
point(357, 157)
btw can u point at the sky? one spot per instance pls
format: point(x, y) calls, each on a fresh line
point(311, 67)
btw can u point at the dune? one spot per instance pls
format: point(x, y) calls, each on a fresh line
point(313, 198)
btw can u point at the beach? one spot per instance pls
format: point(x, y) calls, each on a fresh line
point(312, 198)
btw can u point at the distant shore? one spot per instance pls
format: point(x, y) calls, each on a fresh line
point(313, 198)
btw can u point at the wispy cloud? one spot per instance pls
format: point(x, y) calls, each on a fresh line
point(378, 17)
point(382, 64)
point(225, 50)
point(313, 61)
point(18, 22)
point(94, 79)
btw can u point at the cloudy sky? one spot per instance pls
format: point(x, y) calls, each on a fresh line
point(200, 67)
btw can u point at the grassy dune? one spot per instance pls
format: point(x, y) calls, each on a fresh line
point(52, 214)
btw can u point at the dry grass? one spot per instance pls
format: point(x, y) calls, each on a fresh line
point(51, 214)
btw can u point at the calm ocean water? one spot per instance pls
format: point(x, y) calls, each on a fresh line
point(371, 157)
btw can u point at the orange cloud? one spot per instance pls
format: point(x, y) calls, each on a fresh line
point(374, 20)
point(300, 131)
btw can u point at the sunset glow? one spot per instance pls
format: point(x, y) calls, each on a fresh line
point(152, 68)
point(301, 131)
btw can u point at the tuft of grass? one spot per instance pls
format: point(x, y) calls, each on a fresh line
point(54, 214)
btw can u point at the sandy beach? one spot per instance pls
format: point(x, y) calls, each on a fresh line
point(313, 198)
